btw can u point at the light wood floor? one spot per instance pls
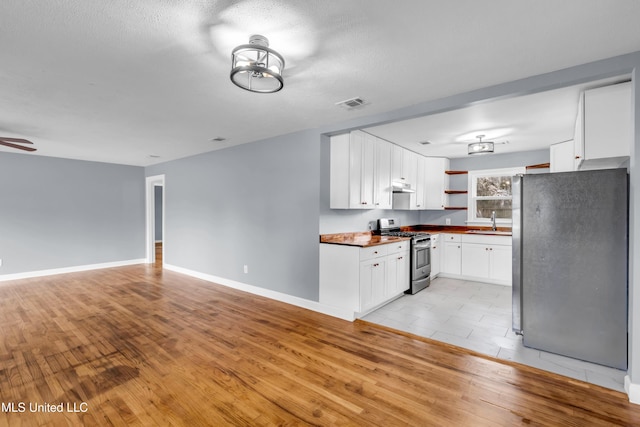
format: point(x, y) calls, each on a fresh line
point(141, 346)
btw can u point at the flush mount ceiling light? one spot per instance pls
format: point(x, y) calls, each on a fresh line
point(257, 68)
point(481, 147)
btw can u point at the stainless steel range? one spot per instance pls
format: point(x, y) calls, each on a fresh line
point(420, 252)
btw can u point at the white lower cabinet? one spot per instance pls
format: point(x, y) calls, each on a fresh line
point(486, 258)
point(479, 257)
point(361, 279)
point(452, 254)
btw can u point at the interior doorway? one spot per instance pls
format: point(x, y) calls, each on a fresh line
point(155, 236)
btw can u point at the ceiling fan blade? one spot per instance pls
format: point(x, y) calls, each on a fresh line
point(18, 140)
point(19, 147)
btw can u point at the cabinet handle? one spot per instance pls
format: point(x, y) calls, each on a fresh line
point(577, 157)
point(375, 265)
point(400, 257)
point(375, 252)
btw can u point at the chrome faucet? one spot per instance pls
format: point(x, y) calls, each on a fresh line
point(493, 221)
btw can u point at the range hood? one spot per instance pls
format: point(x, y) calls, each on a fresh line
point(402, 187)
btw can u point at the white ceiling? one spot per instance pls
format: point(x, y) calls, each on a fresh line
point(121, 80)
point(523, 123)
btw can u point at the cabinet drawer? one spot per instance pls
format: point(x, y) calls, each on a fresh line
point(398, 247)
point(373, 252)
point(487, 239)
point(451, 238)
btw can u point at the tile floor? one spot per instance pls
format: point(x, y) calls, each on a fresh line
point(477, 316)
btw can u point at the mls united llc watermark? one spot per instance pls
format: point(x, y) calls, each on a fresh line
point(21, 407)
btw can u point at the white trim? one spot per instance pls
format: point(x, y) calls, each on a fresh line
point(65, 270)
point(150, 238)
point(274, 295)
point(632, 389)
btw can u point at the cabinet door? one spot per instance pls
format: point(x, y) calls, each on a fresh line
point(452, 257)
point(420, 183)
point(435, 182)
point(361, 171)
point(562, 157)
point(397, 274)
point(383, 194)
point(607, 121)
point(435, 255)
point(396, 163)
point(372, 283)
point(475, 260)
point(410, 167)
point(500, 263)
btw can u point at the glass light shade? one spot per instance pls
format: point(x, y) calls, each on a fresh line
point(257, 68)
point(481, 147)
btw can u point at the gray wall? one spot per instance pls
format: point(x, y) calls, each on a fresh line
point(255, 204)
point(57, 213)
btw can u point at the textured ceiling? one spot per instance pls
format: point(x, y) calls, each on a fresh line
point(120, 80)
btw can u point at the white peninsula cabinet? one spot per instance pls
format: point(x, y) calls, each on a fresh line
point(363, 278)
point(478, 257)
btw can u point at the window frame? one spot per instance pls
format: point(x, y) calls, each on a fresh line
point(472, 178)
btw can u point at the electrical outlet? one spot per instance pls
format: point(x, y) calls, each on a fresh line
point(447, 221)
point(0, 262)
point(246, 269)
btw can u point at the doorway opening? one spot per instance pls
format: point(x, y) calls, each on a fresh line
point(155, 236)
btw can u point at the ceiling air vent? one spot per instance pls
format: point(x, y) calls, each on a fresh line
point(352, 103)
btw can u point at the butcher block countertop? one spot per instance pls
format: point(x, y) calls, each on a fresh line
point(458, 229)
point(363, 239)
point(366, 238)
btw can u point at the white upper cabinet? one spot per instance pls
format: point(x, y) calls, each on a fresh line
point(404, 166)
point(383, 193)
point(360, 172)
point(606, 136)
point(364, 167)
point(562, 157)
point(435, 182)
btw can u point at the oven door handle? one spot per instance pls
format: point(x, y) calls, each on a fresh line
point(422, 246)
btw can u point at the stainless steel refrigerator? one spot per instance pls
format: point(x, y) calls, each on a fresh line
point(570, 256)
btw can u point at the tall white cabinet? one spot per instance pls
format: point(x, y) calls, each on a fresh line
point(360, 175)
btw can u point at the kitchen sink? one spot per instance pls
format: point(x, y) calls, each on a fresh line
point(497, 233)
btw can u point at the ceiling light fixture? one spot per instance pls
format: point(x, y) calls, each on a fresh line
point(257, 68)
point(481, 147)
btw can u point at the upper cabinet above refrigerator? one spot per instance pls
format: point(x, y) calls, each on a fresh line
point(603, 132)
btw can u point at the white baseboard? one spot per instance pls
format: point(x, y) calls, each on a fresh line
point(75, 269)
point(633, 390)
point(274, 295)
point(474, 279)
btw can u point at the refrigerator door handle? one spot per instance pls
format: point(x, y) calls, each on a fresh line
point(516, 254)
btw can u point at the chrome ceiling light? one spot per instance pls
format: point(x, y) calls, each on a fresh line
point(481, 147)
point(257, 68)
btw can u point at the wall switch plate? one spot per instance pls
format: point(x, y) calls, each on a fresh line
point(0, 262)
point(246, 269)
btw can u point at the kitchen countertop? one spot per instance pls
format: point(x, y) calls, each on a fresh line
point(458, 229)
point(366, 238)
point(363, 239)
